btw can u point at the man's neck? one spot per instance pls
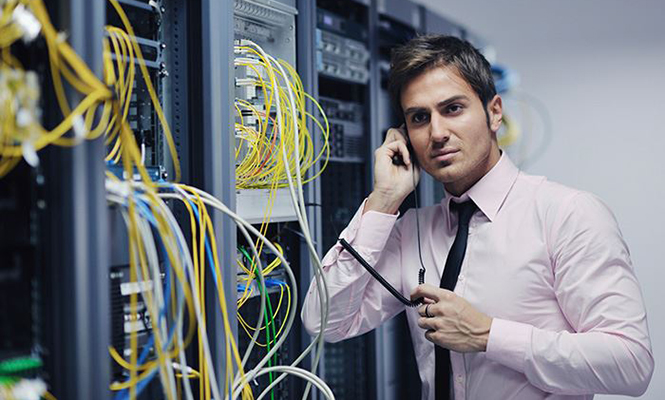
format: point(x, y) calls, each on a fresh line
point(461, 186)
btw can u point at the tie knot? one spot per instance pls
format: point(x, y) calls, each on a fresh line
point(464, 210)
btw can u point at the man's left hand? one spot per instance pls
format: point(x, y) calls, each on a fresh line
point(450, 321)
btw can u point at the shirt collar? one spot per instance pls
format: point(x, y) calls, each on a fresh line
point(491, 190)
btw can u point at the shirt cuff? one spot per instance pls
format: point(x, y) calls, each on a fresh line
point(374, 230)
point(508, 343)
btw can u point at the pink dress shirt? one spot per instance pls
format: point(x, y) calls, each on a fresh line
point(547, 262)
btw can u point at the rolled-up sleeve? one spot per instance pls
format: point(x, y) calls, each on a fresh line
point(596, 287)
point(356, 304)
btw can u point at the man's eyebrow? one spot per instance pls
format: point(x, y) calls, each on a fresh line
point(451, 100)
point(440, 104)
point(412, 110)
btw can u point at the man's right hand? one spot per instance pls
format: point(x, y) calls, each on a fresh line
point(392, 183)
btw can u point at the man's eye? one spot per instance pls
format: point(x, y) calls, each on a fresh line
point(454, 109)
point(419, 118)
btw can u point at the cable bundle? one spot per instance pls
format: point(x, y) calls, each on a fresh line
point(21, 132)
point(278, 153)
point(274, 150)
point(121, 76)
point(272, 125)
point(144, 212)
point(143, 201)
point(139, 201)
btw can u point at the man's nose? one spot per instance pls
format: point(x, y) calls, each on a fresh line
point(439, 132)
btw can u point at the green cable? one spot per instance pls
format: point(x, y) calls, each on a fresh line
point(265, 315)
point(18, 365)
point(8, 380)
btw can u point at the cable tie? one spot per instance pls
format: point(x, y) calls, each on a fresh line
point(153, 4)
point(28, 22)
point(78, 126)
point(30, 154)
point(61, 37)
point(29, 389)
point(24, 118)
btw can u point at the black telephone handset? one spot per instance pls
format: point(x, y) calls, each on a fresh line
point(397, 157)
point(398, 160)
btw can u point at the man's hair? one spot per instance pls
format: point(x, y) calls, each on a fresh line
point(426, 52)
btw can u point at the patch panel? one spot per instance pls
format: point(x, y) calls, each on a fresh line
point(123, 320)
point(347, 136)
point(270, 24)
point(341, 57)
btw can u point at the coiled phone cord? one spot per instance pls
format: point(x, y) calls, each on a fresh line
point(397, 160)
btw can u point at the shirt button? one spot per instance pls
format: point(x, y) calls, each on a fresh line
point(459, 378)
point(460, 278)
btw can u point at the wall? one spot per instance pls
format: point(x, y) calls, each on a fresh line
point(599, 68)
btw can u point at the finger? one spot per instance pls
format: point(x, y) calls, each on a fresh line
point(429, 335)
point(395, 134)
point(428, 310)
point(426, 323)
point(422, 311)
point(399, 147)
point(428, 292)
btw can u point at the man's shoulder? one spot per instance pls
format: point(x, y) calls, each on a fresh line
point(555, 198)
point(544, 190)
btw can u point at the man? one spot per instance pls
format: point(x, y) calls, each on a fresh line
point(530, 292)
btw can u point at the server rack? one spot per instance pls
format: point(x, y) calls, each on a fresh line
point(344, 81)
point(161, 31)
point(63, 204)
point(85, 337)
point(396, 23)
point(200, 35)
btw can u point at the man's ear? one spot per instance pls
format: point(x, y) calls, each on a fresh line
point(495, 113)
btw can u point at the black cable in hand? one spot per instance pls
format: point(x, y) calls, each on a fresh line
point(398, 160)
point(378, 277)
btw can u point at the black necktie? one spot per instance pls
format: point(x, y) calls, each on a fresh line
point(448, 280)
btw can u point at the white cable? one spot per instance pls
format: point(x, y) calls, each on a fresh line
point(302, 373)
point(186, 197)
point(244, 226)
point(167, 376)
point(166, 372)
point(239, 383)
point(212, 201)
point(302, 217)
point(126, 188)
point(180, 321)
point(304, 222)
point(197, 306)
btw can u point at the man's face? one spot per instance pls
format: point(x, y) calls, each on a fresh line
point(448, 128)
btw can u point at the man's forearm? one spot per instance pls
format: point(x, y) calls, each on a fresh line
point(572, 363)
point(383, 202)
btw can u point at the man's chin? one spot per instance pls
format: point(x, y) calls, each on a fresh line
point(445, 173)
point(446, 178)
